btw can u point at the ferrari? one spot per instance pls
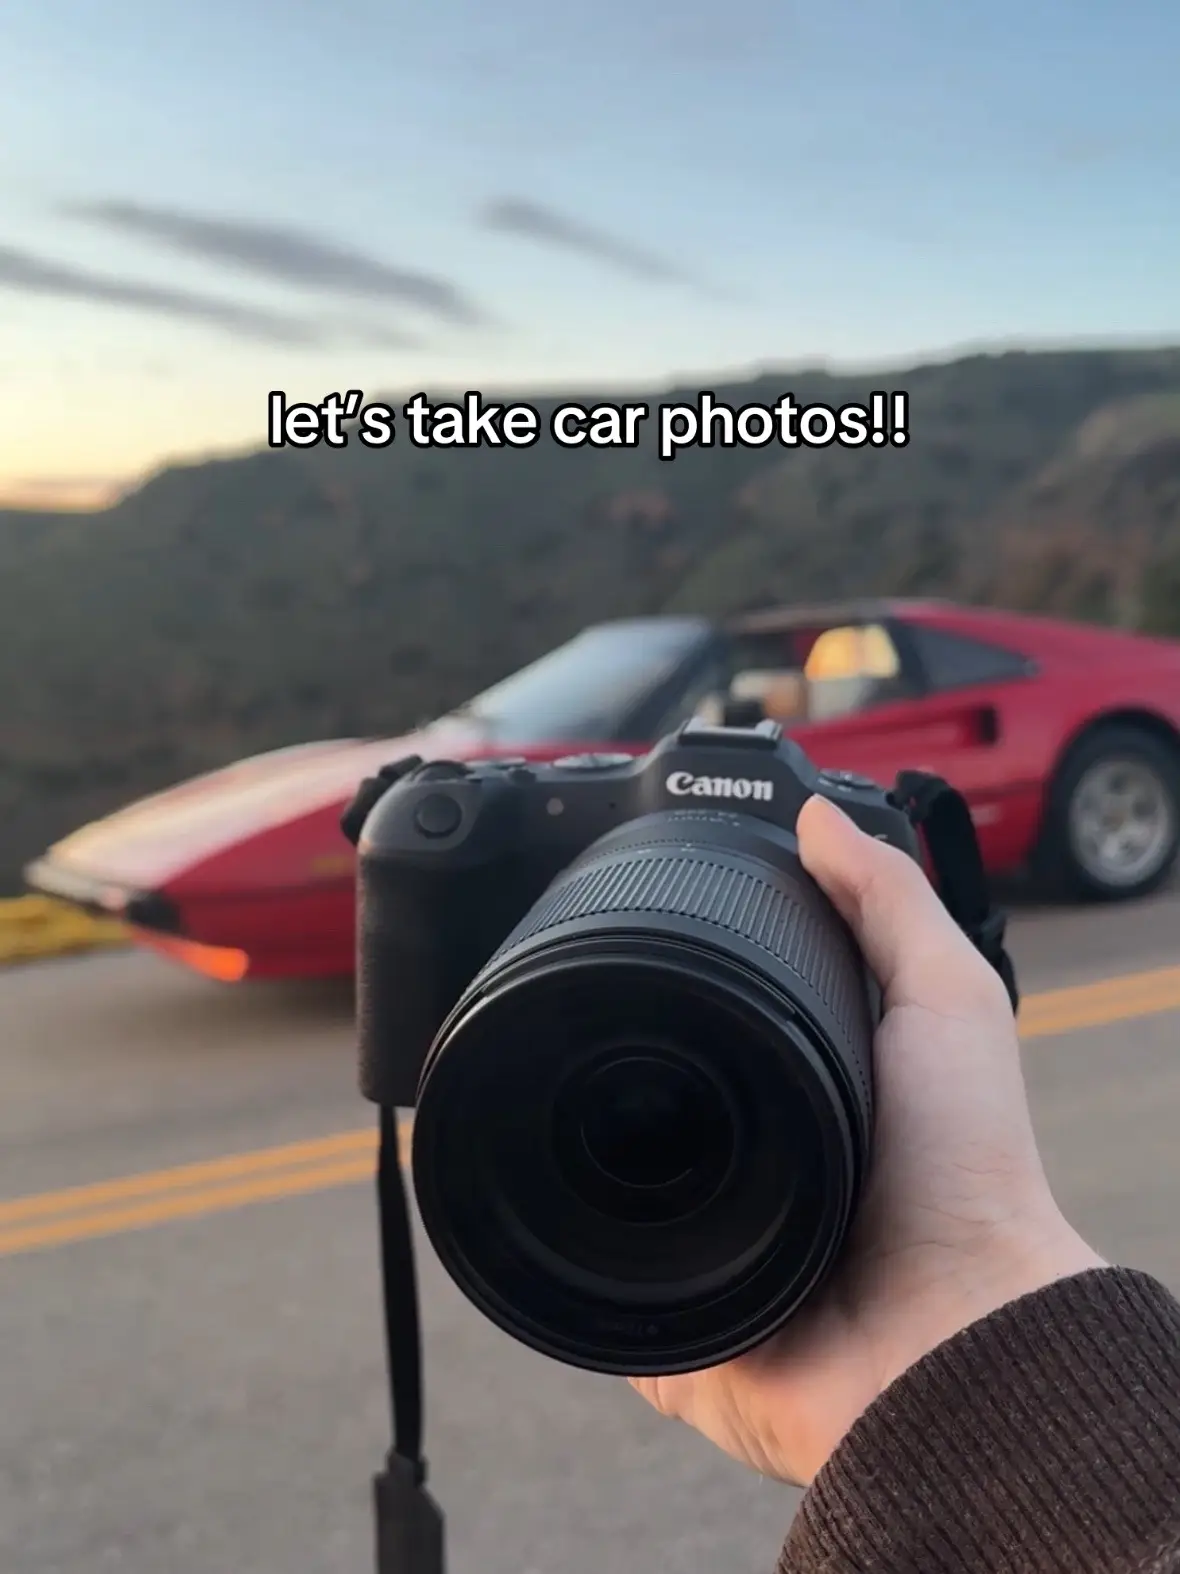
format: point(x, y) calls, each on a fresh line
point(1064, 739)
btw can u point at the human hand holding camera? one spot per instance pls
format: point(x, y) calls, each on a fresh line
point(957, 1217)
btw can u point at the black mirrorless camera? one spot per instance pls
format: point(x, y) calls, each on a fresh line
point(637, 1035)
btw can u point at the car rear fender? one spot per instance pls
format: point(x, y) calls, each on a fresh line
point(1147, 720)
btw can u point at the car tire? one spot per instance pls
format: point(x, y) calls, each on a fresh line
point(1112, 823)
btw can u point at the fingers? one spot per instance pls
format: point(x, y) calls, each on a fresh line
point(916, 950)
point(649, 1388)
point(670, 1397)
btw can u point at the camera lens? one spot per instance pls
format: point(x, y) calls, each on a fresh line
point(641, 1132)
point(645, 1122)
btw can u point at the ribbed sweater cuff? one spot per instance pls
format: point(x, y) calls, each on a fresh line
point(1045, 1437)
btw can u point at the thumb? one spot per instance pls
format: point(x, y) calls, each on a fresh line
point(916, 950)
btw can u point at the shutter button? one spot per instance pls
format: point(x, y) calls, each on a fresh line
point(438, 814)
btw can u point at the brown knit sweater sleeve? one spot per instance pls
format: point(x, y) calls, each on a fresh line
point(1044, 1439)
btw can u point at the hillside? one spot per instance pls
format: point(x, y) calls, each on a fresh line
point(230, 607)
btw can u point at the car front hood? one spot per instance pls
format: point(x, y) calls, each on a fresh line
point(155, 839)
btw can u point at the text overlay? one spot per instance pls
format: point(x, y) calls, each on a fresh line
point(475, 422)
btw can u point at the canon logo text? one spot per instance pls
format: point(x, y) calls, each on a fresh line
point(685, 785)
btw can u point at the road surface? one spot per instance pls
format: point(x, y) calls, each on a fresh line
point(192, 1375)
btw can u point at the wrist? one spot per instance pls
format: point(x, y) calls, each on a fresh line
point(1031, 1257)
point(1015, 1261)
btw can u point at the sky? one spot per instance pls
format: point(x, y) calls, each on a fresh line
point(199, 204)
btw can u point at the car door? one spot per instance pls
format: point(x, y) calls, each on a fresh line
point(950, 723)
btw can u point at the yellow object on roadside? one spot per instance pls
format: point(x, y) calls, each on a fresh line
point(32, 927)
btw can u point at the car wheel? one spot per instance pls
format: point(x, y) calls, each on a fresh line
point(1112, 830)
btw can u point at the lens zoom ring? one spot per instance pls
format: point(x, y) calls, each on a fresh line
point(798, 928)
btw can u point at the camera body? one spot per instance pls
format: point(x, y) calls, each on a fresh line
point(636, 1034)
point(454, 856)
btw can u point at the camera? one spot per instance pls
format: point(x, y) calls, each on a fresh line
point(637, 1036)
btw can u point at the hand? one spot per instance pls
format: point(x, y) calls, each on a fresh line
point(957, 1218)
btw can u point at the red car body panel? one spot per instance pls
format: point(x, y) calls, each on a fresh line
point(1084, 676)
point(253, 861)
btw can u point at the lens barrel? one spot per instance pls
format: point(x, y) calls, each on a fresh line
point(642, 1131)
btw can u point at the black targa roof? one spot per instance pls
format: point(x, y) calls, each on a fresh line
point(772, 620)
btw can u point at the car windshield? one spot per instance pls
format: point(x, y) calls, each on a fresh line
point(584, 691)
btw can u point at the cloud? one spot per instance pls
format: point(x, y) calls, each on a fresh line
point(32, 275)
point(759, 33)
point(532, 221)
point(277, 253)
point(376, 337)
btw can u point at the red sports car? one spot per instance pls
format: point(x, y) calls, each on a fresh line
point(1064, 739)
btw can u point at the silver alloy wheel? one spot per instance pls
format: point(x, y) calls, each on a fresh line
point(1121, 822)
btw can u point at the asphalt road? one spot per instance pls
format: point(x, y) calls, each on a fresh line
point(203, 1394)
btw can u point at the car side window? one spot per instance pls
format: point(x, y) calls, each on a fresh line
point(767, 671)
point(821, 676)
point(953, 661)
point(853, 669)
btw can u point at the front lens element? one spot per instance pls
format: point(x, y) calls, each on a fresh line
point(645, 1121)
point(643, 1134)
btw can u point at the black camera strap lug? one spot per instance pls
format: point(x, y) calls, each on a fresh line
point(370, 791)
point(940, 812)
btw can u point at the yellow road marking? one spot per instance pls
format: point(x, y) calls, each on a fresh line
point(1096, 1005)
point(190, 1191)
point(186, 1205)
point(186, 1177)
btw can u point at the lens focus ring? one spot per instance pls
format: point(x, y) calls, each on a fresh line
point(788, 919)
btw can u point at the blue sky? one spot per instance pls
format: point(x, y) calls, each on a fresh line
point(202, 203)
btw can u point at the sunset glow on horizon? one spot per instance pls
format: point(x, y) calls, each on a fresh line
point(203, 207)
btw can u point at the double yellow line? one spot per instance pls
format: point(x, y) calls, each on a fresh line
point(192, 1191)
point(1110, 1000)
point(189, 1191)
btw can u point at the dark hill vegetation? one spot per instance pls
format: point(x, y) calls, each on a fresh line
point(229, 607)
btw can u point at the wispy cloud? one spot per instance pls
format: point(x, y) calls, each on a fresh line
point(376, 337)
point(29, 274)
point(288, 255)
point(535, 222)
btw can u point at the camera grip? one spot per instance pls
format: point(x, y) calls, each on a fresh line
point(416, 949)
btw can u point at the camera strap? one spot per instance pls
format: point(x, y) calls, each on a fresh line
point(940, 812)
point(408, 1522)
